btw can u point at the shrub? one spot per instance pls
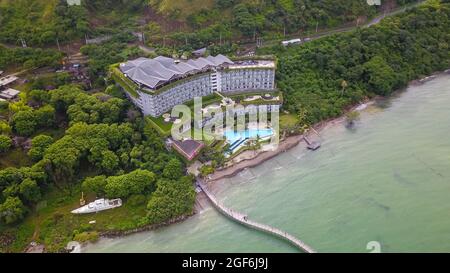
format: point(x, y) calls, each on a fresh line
point(5, 143)
point(86, 237)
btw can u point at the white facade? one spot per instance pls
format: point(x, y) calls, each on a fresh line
point(248, 76)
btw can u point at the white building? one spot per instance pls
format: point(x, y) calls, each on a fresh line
point(7, 80)
point(74, 2)
point(292, 42)
point(9, 94)
point(162, 83)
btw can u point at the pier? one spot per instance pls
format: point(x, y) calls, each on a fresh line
point(243, 219)
point(312, 145)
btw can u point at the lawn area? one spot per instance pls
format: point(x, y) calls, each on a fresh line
point(162, 127)
point(288, 120)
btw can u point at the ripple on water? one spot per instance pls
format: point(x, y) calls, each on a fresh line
point(387, 181)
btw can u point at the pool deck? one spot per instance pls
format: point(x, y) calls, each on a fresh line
point(256, 159)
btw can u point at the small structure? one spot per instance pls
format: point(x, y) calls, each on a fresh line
point(74, 2)
point(292, 42)
point(98, 205)
point(188, 148)
point(9, 94)
point(312, 145)
point(7, 80)
point(82, 200)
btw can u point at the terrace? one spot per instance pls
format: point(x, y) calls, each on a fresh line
point(215, 101)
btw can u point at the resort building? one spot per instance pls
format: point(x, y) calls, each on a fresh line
point(4, 82)
point(157, 85)
point(9, 94)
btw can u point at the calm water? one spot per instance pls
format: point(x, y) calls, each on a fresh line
point(386, 181)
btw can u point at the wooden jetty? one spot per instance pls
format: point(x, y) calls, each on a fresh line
point(243, 219)
point(312, 145)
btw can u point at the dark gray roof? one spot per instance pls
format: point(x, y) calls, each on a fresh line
point(157, 71)
point(188, 147)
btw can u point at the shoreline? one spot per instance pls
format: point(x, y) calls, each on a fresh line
point(201, 202)
point(294, 140)
point(286, 144)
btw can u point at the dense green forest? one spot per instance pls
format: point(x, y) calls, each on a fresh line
point(42, 22)
point(107, 148)
point(201, 22)
point(228, 19)
point(27, 58)
point(323, 77)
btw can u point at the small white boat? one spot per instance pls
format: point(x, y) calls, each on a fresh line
point(98, 205)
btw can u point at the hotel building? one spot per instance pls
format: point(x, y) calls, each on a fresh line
point(157, 85)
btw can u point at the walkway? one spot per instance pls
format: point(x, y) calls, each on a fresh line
point(243, 219)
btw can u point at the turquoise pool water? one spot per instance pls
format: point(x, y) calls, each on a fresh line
point(238, 138)
point(233, 136)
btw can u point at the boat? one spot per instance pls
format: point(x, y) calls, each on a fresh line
point(98, 205)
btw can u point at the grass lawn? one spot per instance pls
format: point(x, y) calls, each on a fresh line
point(162, 127)
point(288, 120)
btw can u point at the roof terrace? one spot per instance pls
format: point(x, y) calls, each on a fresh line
point(155, 73)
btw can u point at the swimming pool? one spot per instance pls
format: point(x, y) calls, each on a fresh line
point(238, 139)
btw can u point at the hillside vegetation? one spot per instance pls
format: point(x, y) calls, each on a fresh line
point(320, 79)
point(42, 22)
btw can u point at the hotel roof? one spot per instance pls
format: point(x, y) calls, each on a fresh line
point(188, 148)
point(157, 71)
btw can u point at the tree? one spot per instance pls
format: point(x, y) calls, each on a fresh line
point(173, 169)
point(39, 145)
point(171, 199)
point(5, 143)
point(5, 128)
point(247, 22)
point(7, 176)
point(45, 116)
point(206, 170)
point(39, 96)
point(24, 123)
point(29, 190)
point(110, 161)
point(352, 117)
point(12, 210)
point(95, 184)
point(136, 182)
point(380, 76)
